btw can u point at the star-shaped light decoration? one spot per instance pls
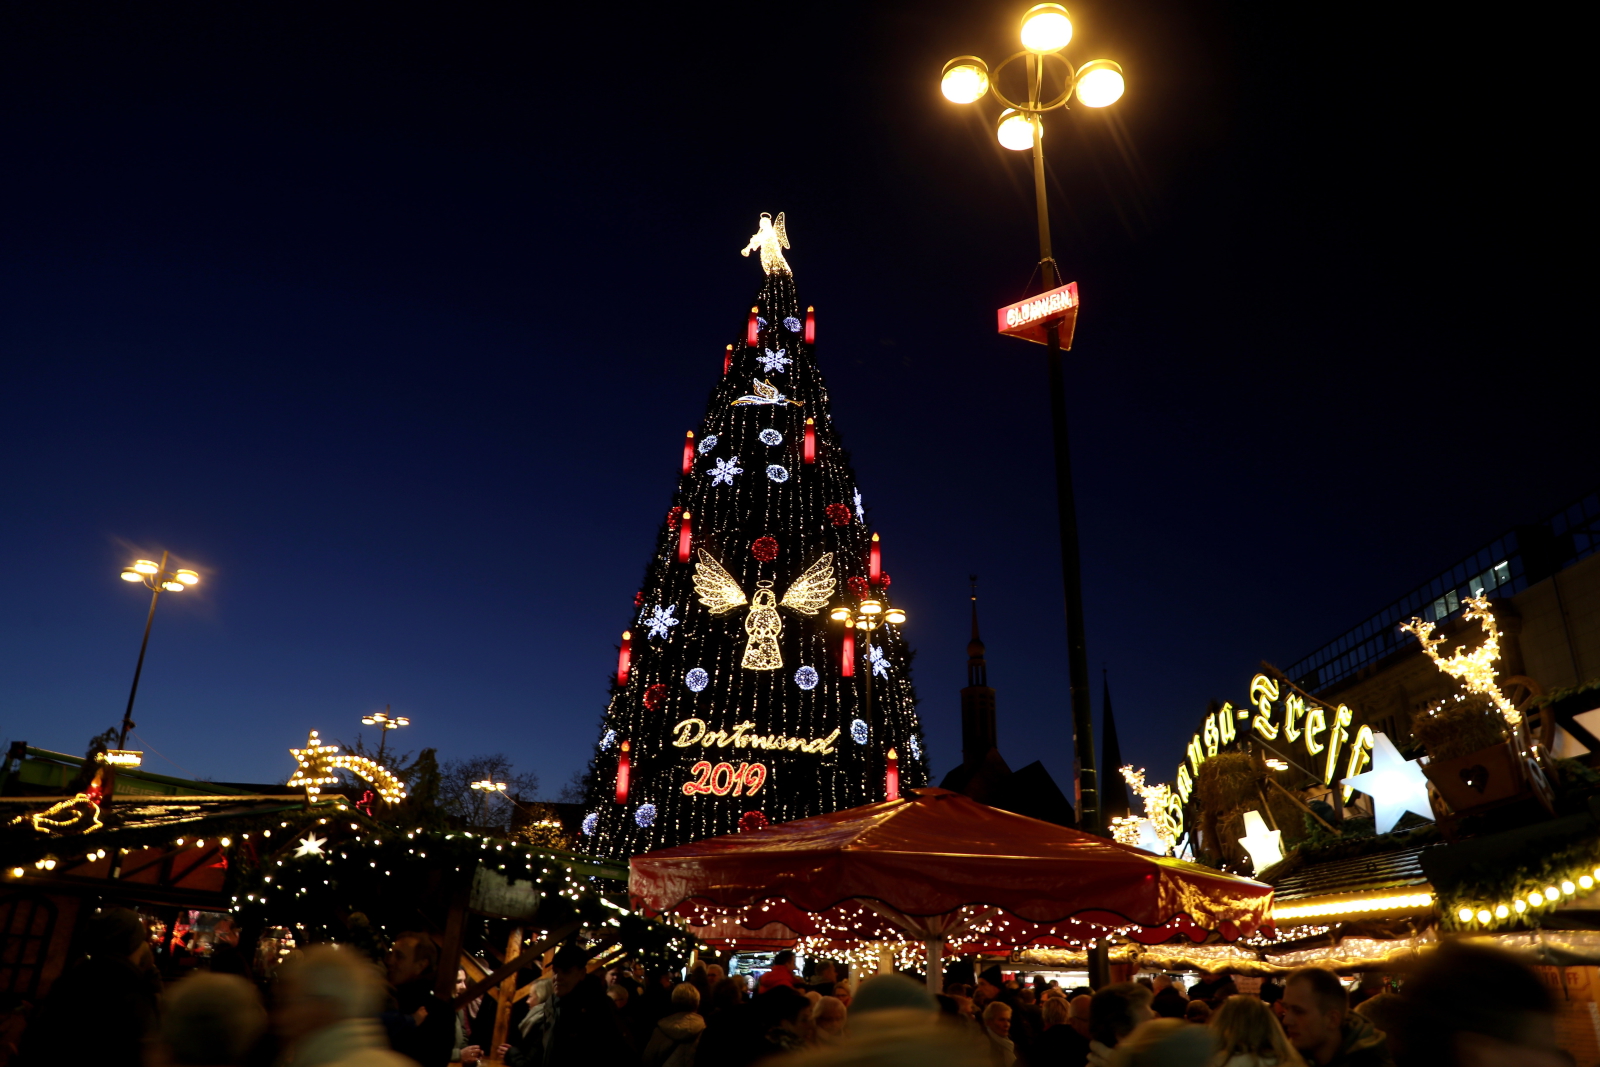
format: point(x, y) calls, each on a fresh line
point(311, 845)
point(1395, 784)
point(1265, 846)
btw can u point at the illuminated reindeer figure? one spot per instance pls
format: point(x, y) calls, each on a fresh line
point(1475, 669)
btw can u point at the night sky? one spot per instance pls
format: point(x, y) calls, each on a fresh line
point(390, 319)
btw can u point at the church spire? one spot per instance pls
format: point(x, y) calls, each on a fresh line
point(1114, 790)
point(977, 699)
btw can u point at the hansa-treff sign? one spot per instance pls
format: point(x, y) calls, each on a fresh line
point(1028, 319)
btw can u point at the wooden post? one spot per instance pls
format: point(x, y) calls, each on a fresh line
point(444, 981)
point(508, 990)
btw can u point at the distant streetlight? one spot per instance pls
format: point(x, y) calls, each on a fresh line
point(488, 787)
point(1045, 31)
point(868, 615)
point(382, 719)
point(155, 577)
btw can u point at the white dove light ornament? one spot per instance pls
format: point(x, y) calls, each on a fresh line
point(765, 393)
point(721, 594)
point(770, 239)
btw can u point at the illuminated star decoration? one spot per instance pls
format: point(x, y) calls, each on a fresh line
point(774, 362)
point(723, 472)
point(1265, 846)
point(861, 514)
point(311, 845)
point(660, 619)
point(1395, 784)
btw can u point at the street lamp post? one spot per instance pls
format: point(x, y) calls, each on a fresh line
point(868, 615)
point(487, 786)
point(385, 723)
point(155, 577)
point(1046, 29)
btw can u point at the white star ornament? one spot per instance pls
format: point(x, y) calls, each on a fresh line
point(1395, 784)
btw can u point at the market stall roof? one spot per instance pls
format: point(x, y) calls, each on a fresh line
point(936, 864)
point(1379, 883)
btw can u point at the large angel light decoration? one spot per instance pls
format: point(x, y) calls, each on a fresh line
point(770, 239)
point(721, 594)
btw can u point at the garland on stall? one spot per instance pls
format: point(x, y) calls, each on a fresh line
point(1505, 895)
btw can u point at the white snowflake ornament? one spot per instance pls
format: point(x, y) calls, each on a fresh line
point(880, 662)
point(861, 513)
point(723, 472)
point(774, 362)
point(660, 619)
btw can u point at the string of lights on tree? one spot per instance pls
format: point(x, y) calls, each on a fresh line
point(737, 700)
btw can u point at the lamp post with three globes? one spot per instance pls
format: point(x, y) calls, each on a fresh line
point(156, 578)
point(1046, 30)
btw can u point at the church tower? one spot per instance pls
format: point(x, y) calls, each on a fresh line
point(977, 699)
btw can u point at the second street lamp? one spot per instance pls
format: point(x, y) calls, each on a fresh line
point(1045, 31)
point(156, 578)
point(385, 722)
point(869, 614)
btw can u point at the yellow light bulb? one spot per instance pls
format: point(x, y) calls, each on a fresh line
point(1568, 888)
point(1046, 28)
point(145, 566)
point(1484, 915)
point(1501, 911)
point(131, 575)
point(1099, 83)
point(187, 577)
point(1015, 130)
point(1585, 881)
point(1521, 905)
point(964, 80)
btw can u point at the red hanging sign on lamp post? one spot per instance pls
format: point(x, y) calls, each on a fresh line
point(1030, 319)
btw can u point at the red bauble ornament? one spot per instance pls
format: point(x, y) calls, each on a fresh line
point(765, 549)
point(858, 585)
point(654, 696)
point(674, 516)
point(638, 599)
point(752, 820)
point(883, 580)
point(839, 513)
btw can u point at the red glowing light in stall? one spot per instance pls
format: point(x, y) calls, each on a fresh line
point(625, 657)
point(688, 453)
point(892, 778)
point(847, 653)
point(685, 538)
point(811, 441)
point(811, 325)
point(624, 765)
point(874, 561)
point(752, 330)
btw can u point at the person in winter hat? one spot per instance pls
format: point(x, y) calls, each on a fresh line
point(1248, 1035)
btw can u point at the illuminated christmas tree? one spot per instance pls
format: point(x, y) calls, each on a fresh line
point(745, 692)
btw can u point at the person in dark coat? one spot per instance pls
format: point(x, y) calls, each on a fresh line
point(103, 1010)
point(581, 1028)
point(420, 1024)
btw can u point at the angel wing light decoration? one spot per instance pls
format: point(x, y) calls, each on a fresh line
point(720, 593)
point(770, 239)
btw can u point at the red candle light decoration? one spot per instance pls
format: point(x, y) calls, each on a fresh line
point(625, 658)
point(624, 765)
point(892, 777)
point(875, 561)
point(727, 359)
point(847, 653)
point(811, 441)
point(752, 330)
point(688, 453)
point(685, 538)
point(811, 325)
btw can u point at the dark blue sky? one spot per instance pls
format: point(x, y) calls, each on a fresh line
point(389, 319)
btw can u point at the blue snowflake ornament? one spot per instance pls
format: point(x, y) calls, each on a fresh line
point(590, 822)
point(806, 677)
point(697, 679)
point(707, 443)
point(774, 362)
point(777, 473)
point(646, 815)
point(791, 324)
point(771, 437)
point(858, 731)
point(880, 662)
point(723, 472)
point(660, 619)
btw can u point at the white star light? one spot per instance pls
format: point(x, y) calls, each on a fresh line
point(723, 472)
point(311, 845)
point(660, 619)
point(1395, 784)
point(774, 361)
point(1265, 846)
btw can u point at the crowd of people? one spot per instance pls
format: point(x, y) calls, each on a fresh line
point(331, 1006)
